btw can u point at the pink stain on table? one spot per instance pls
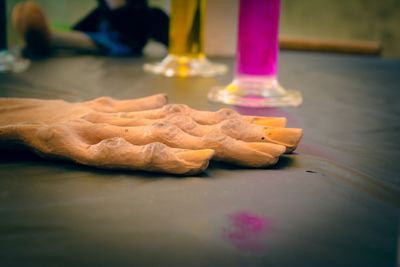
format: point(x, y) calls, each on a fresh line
point(247, 231)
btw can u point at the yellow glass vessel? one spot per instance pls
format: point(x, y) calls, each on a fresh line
point(186, 35)
point(186, 55)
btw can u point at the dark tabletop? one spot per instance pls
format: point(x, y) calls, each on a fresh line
point(335, 202)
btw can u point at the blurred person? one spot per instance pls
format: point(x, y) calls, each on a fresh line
point(114, 27)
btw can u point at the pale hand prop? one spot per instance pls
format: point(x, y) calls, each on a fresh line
point(144, 134)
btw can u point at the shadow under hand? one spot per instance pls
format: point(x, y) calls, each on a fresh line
point(284, 162)
point(18, 154)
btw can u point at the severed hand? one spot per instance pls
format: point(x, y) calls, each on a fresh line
point(144, 134)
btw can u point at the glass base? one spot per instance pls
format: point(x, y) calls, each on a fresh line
point(250, 91)
point(181, 66)
point(11, 61)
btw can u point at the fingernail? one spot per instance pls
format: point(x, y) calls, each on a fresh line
point(196, 155)
point(270, 122)
point(272, 149)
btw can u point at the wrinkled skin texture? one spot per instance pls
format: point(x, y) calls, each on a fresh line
point(143, 134)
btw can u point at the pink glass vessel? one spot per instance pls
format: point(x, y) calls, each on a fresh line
point(255, 83)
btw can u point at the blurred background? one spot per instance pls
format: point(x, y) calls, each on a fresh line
point(372, 22)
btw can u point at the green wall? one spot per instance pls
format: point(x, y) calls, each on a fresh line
point(377, 20)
